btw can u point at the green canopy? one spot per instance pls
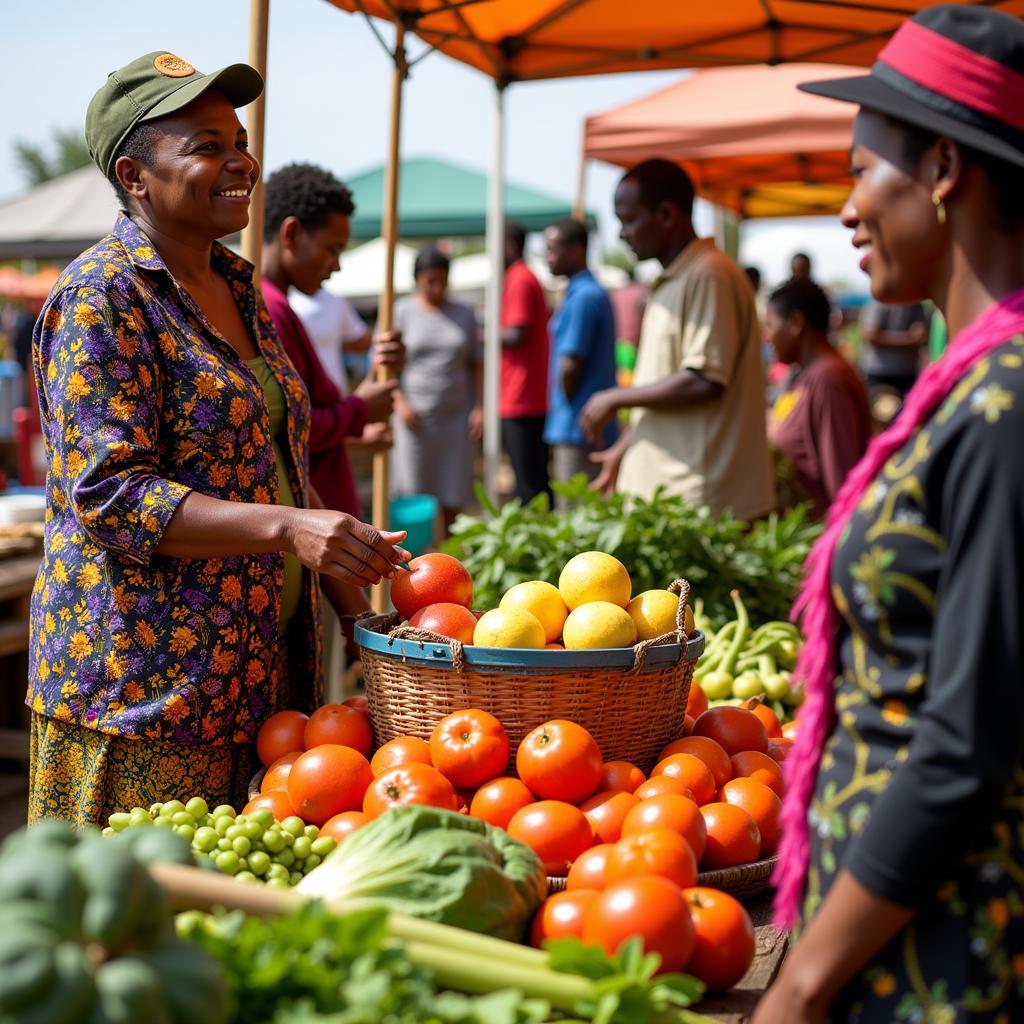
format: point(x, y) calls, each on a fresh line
point(437, 198)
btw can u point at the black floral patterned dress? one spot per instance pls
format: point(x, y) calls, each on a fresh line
point(921, 789)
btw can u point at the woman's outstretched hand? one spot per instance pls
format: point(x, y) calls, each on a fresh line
point(339, 545)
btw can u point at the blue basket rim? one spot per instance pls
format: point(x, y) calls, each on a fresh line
point(517, 658)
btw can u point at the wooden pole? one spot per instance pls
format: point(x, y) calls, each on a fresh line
point(581, 180)
point(381, 475)
point(252, 236)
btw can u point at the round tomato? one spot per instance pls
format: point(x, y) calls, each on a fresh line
point(620, 775)
point(752, 764)
point(451, 620)
point(412, 783)
point(696, 701)
point(435, 578)
point(336, 723)
point(327, 780)
point(769, 720)
point(557, 832)
point(708, 751)
point(560, 760)
point(561, 916)
point(692, 772)
point(650, 907)
point(400, 750)
point(606, 812)
point(496, 801)
point(733, 837)
point(687, 725)
point(654, 851)
point(662, 784)
point(469, 748)
point(778, 750)
point(733, 729)
point(341, 826)
point(588, 869)
point(673, 812)
point(724, 938)
point(276, 801)
point(281, 734)
point(762, 804)
point(276, 776)
point(359, 702)
point(789, 730)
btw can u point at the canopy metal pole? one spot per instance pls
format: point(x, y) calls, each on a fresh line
point(252, 235)
point(581, 179)
point(496, 279)
point(381, 463)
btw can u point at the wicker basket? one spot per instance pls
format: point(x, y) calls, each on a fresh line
point(744, 881)
point(632, 700)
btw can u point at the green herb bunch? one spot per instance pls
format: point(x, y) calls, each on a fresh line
point(657, 540)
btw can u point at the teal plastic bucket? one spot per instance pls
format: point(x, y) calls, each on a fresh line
point(416, 513)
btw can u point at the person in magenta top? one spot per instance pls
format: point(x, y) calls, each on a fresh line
point(821, 423)
point(307, 224)
point(524, 369)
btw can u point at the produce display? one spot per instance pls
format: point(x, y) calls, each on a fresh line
point(86, 936)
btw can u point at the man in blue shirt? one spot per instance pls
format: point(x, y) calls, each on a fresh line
point(582, 351)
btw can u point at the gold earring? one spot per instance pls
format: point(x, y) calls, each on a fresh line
point(940, 209)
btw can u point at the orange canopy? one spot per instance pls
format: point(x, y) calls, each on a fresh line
point(530, 39)
point(749, 138)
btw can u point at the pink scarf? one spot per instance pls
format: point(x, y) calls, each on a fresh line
point(819, 619)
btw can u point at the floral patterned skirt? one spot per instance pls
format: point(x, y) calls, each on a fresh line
point(83, 776)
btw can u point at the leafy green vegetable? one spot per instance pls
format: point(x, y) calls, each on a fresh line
point(657, 540)
point(437, 865)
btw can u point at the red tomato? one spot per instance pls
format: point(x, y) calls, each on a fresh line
point(651, 907)
point(654, 851)
point(687, 725)
point(622, 775)
point(733, 836)
point(733, 729)
point(692, 772)
point(561, 916)
point(276, 801)
point(778, 750)
point(496, 801)
point(432, 579)
point(341, 826)
point(707, 750)
point(359, 702)
point(752, 764)
point(327, 780)
point(588, 869)
point(446, 619)
point(672, 812)
point(469, 748)
point(560, 760)
point(769, 720)
point(281, 734)
point(411, 783)
point(660, 785)
point(606, 812)
point(336, 723)
point(696, 701)
point(557, 832)
point(724, 933)
point(400, 750)
point(276, 776)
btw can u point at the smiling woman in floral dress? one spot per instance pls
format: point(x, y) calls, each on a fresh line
point(176, 606)
point(904, 815)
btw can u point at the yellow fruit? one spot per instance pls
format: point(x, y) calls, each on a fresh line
point(598, 624)
point(654, 612)
point(541, 600)
point(508, 627)
point(594, 576)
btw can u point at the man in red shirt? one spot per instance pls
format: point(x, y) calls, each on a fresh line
point(307, 223)
point(524, 369)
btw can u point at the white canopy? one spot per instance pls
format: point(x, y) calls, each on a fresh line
point(363, 269)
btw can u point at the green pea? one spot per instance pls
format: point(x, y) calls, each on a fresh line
point(245, 876)
point(119, 821)
point(224, 843)
point(312, 861)
point(227, 861)
point(172, 807)
point(234, 831)
point(294, 878)
point(263, 816)
point(285, 858)
point(197, 807)
point(302, 847)
point(186, 831)
point(278, 883)
point(241, 845)
point(259, 862)
point(324, 845)
point(295, 825)
point(278, 871)
point(223, 811)
point(222, 824)
point(205, 839)
point(163, 822)
point(182, 818)
point(139, 816)
point(273, 840)
point(311, 832)
point(253, 830)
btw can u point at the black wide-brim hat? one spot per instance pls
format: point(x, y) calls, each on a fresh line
point(954, 69)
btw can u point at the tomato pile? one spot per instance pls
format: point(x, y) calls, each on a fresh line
point(630, 847)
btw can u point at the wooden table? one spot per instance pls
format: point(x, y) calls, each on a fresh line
point(736, 1007)
point(17, 576)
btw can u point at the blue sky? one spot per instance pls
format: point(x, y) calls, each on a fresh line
point(327, 101)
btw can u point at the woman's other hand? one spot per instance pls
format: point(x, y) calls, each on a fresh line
point(476, 423)
point(405, 412)
point(338, 545)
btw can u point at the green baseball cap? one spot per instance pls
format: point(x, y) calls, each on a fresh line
point(153, 86)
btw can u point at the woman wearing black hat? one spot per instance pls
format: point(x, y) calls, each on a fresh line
point(904, 817)
point(172, 613)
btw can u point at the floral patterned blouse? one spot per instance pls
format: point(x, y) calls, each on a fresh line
point(142, 400)
point(921, 792)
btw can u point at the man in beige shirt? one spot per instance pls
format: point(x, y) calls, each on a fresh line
point(697, 426)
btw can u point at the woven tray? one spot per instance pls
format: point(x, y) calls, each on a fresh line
point(632, 700)
point(744, 881)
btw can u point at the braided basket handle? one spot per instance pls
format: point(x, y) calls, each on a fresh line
point(427, 636)
point(681, 588)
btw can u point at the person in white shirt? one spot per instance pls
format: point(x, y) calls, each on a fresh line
point(334, 327)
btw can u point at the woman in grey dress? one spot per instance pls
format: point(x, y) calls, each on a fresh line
point(439, 414)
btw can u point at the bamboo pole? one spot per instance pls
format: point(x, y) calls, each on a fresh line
point(252, 235)
point(581, 179)
point(381, 463)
